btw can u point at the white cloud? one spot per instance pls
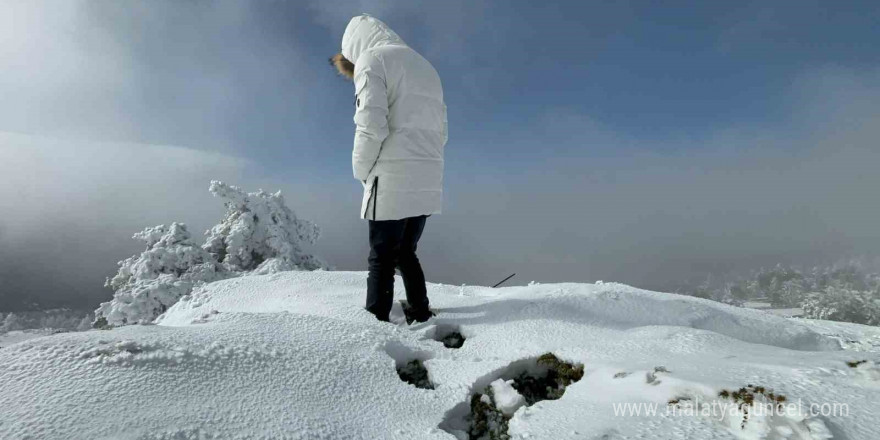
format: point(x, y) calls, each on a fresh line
point(157, 72)
point(70, 207)
point(591, 203)
point(94, 182)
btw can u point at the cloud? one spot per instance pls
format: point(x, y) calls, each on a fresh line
point(182, 73)
point(590, 203)
point(70, 208)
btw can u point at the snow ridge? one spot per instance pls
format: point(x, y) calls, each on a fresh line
point(293, 355)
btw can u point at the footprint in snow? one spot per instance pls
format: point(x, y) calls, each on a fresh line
point(449, 334)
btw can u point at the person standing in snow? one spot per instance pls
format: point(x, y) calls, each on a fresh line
point(401, 130)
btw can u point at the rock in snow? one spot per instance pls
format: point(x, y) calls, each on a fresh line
point(293, 355)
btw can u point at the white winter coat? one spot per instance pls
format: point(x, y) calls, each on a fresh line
point(401, 123)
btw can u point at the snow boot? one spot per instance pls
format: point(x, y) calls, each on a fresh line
point(413, 315)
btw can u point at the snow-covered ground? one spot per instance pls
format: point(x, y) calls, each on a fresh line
point(788, 312)
point(293, 356)
point(16, 336)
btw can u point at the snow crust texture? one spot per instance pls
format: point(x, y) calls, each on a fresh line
point(293, 355)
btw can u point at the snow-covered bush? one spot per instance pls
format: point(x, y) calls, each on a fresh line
point(844, 304)
point(259, 234)
point(147, 284)
point(259, 228)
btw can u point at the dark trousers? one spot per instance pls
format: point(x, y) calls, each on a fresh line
point(393, 245)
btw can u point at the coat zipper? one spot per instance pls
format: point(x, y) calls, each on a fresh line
point(375, 195)
point(372, 198)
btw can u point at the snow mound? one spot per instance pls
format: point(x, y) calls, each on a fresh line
point(609, 305)
point(507, 399)
point(294, 355)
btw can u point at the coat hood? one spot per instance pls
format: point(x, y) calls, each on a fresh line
point(365, 32)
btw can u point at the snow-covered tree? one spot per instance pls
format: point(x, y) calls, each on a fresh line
point(771, 284)
point(84, 324)
point(844, 304)
point(737, 293)
point(147, 284)
point(792, 293)
point(259, 234)
point(847, 290)
point(259, 229)
point(13, 322)
point(704, 290)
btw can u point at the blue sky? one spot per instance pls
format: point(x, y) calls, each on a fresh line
point(656, 72)
point(645, 142)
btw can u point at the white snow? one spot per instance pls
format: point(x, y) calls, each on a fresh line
point(293, 355)
point(507, 399)
point(16, 336)
point(788, 312)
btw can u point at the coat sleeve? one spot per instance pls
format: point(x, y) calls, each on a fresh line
point(370, 116)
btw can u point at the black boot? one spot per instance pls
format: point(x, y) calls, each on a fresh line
point(420, 316)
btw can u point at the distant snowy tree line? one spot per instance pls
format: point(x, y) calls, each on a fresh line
point(848, 292)
point(258, 235)
point(54, 319)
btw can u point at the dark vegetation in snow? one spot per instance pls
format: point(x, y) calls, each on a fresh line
point(551, 384)
point(415, 373)
point(487, 422)
point(855, 364)
point(746, 396)
point(544, 378)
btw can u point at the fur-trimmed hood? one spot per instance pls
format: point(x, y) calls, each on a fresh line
point(344, 66)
